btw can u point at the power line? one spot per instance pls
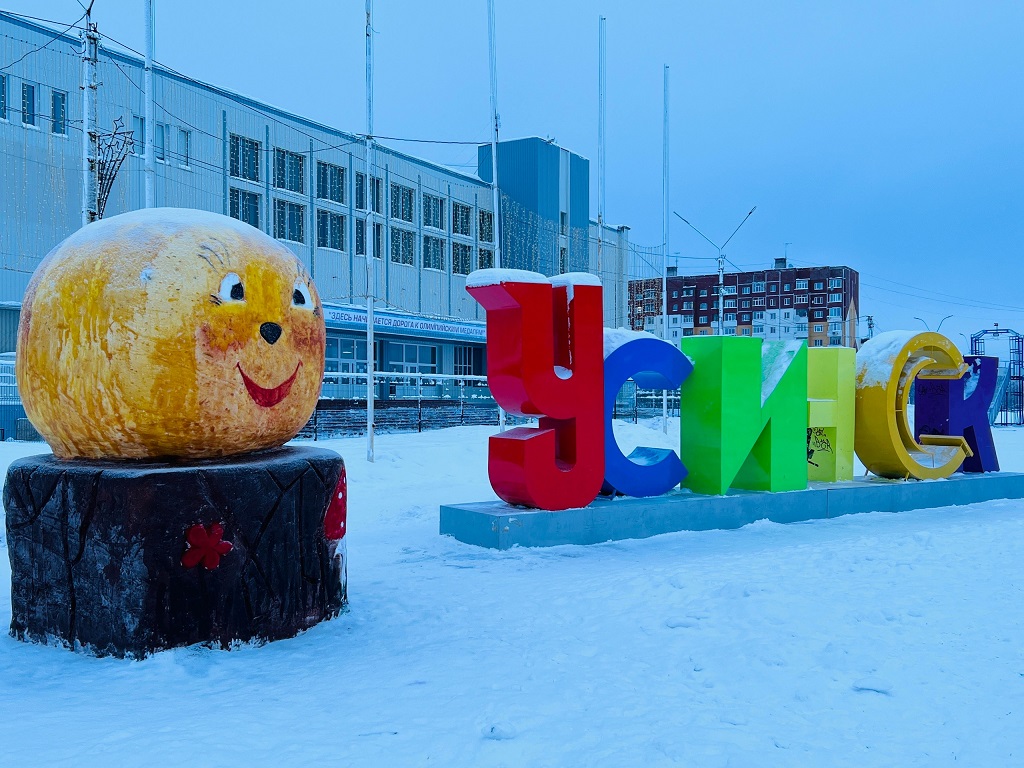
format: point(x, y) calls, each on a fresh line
point(46, 44)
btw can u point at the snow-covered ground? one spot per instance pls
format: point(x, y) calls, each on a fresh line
point(877, 639)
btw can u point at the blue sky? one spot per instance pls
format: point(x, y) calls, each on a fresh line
point(884, 136)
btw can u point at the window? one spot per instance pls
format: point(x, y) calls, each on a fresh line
point(787, 301)
point(460, 219)
point(401, 203)
point(160, 142)
point(433, 212)
point(835, 312)
point(675, 307)
point(461, 255)
point(687, 291)
point(759, 315)
point(487, 226)
point(835, 327)
point(378, 240)
point(702, 320)
point(785, 286)
point(835, 297)
point(138, 135)
point(377, 194)
point(402, 246)
point(759, 302)
point(745, 317)
point(819, 285)
point(835, 341)
point(289, 171)
point(758, 287)
point(687, 305)
point(59, 113)
point(835, 282)
point(801, 298)
point(758, 329)
point(703, 291)
point(730, 303)
point(746, 331)
point(330, 230)
point(345, 355)
point(468, 361)
point(771, 302)
point(360, 237)
point(411, 358)
point(801, 285)
point(687, 319)
point(787, 315)
point(433, 250)
point(817, 300)
point(184, 147)
point(730, 331)
point(773, 288)
point(288, 221)
point(817, 343)
point(704, 305)
point(675, 294)
point(3, 96)
point(746, 290)
point(773, 315)
point(244, 206)
point(28, 104)
point(728, 290)
point(730, 317)
point(330, 182)
point(361, 191)
point(563, 223)
point(485, 258)
point(245, 158)
point(819, 314)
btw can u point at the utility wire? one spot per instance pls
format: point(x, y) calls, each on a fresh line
point(44, 45)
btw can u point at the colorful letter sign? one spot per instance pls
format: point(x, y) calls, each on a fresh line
point(759, 415)
point(545, 360)
point(831, 398)
point(944, 406)
point(652, 364)
point(743, 414)
point(886, 368)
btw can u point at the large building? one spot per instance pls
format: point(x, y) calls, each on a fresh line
point(311, 186)
point(816, 304)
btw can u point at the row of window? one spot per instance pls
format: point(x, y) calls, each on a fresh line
point(289, 224)
point(760, 287)
point(349, 356)
point(30, 106)
point(162, 133)
point(289, 173)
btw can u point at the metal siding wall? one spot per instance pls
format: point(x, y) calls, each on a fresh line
point(579, 213)
point(41, 172)
point(9, 317)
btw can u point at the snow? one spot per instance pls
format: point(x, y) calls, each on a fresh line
point(867, 640)
point(481, 277)
point(144, 222)
point(574, 278)
point(776, 357)
point(616, 337)
point(876, 357)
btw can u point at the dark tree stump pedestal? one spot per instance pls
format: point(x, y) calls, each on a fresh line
point(128, 558)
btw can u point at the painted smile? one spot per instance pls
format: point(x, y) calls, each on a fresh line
point(268, 398)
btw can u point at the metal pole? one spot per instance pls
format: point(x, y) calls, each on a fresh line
point(90, 137)
point(492, 54)
point(150, 128)
point(664, 245)
point(371, 234)
point(601, 86)
point(495, 196)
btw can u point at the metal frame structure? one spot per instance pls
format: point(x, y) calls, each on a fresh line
point(1011, 410)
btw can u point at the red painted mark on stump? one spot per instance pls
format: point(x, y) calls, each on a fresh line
point(205, 546)
point(337, 510)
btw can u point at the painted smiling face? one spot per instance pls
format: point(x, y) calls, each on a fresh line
point(169, 333)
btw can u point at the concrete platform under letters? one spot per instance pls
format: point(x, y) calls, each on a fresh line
point(498, 525)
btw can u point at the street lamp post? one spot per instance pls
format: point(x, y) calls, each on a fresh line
point(721, 262)
point(939, 328)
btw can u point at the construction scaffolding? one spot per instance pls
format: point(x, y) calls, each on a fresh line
point(1010, 384)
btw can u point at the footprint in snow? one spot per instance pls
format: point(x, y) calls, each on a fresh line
point(499, 732)
point(872, 685)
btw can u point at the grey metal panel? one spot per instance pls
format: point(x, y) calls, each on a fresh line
point(9, 317)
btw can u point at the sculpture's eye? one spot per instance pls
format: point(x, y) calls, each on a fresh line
point(301, 296)
point(231, 288)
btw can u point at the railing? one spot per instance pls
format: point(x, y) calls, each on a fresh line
point(404, 386)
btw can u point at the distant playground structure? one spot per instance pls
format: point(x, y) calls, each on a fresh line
point(1008, 404)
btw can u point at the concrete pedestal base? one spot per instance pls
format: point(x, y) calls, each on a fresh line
point(499, 526)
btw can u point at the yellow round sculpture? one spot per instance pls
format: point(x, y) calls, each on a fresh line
point(169, 333)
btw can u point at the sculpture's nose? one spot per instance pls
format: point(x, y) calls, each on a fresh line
point(271, 332)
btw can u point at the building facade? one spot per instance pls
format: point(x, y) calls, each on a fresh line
point(316, 189)
point(816, 304)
